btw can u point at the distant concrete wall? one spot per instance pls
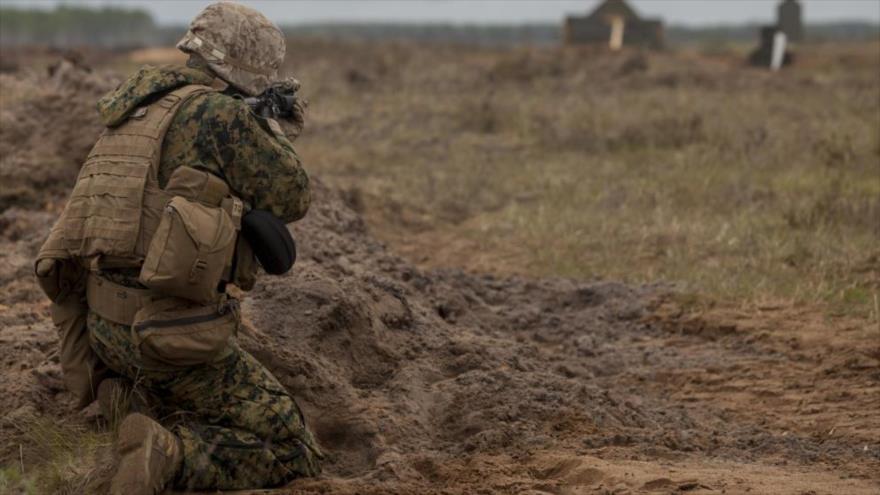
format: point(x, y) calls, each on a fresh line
point(596, 27)
point(583, 30)
point(790, 19)
point(646, 33)
point(763, 55)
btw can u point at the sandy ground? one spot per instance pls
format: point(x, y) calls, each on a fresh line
point(444, 381)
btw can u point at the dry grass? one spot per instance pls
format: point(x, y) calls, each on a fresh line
point(682, 167)
point(58, 458)
point(67, 458)
point(70, 457)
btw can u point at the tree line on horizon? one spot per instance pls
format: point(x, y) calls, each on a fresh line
point(114, 27)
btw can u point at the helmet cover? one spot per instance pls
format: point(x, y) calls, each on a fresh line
point(239, 44)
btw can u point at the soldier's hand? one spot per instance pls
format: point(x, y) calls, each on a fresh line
point(296, 122)
point(45, 267)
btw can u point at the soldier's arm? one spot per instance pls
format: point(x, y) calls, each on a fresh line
point(261, 167)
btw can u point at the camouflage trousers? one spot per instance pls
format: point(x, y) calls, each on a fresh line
point(238, 426)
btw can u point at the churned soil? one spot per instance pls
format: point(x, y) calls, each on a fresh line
point(445, 381)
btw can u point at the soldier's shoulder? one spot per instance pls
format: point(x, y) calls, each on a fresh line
point(218, 106)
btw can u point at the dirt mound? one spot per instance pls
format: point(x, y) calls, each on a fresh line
point(406, 374)
point(48, 123)
point(450, 382)
point(31, 377)
point(391, 362)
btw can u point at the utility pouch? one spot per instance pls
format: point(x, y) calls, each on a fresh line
point(177, 332)
point(190, 251)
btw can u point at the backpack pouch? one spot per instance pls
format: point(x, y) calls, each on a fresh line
point(177, 332)
point(190, 251)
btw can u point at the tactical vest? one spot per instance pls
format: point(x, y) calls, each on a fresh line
point(116, 203)
point(118, 216)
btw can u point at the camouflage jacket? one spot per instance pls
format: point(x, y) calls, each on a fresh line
point(218, 133)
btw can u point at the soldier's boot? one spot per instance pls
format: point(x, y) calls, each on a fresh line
point(117, 398)
point(149, 457)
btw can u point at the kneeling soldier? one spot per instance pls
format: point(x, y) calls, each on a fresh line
point(138, 263)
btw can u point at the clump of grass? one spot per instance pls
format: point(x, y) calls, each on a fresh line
point(58, 458)
point(12, 480)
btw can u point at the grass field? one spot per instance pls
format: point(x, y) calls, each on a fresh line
point(684, 167)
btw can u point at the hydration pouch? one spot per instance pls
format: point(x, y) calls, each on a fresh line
point(177, 332)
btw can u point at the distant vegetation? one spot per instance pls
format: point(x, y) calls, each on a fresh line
point(121, 27)
point(832, 31)
point(108, 26)
point(552, 34)
point(457, 33)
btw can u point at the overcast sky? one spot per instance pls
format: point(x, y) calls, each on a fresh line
point(491, 11)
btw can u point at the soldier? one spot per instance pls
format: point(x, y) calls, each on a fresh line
point(138, 263)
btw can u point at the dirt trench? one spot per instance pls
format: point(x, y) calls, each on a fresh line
point(442, 381)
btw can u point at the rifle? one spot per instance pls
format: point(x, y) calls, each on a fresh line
point(278, 101)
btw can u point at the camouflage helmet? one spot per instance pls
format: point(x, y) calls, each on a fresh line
point(239, 44)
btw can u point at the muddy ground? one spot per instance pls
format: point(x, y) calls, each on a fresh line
point(444, 381)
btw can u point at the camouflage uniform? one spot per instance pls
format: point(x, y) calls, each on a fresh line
point(219, 133)
point(238, 427)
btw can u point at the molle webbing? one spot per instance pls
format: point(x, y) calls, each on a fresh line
point(116, 203)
